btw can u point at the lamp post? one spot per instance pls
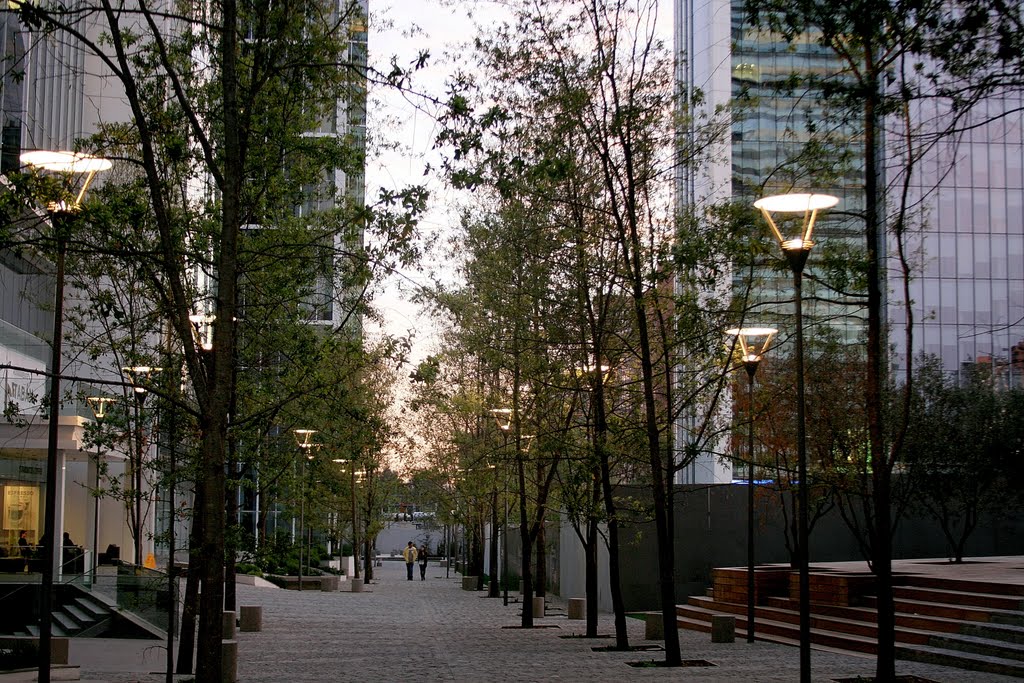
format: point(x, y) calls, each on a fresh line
point(352, 491)
point(753, 342)
point(137, 374)
point(98, 404)
point(304, 440)
point(796, 250)
point(71, 165)
point(503, 419)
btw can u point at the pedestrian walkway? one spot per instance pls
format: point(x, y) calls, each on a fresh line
point(432, 630)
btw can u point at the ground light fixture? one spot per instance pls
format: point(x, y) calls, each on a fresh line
point(753, 343)
point(79, 170)
point(782, 211)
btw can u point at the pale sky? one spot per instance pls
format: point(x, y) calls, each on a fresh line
point(415, 25)
point(402, 28)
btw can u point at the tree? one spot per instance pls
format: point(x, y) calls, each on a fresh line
point(220, 99)
point(957, 449)
point(888, 59)
point(597, 76)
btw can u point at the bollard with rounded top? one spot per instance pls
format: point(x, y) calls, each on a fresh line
point(229, 625)
point(654, 626)
point(357, 585)
point(250, 618)
point(577, 608)
point(538, 607)
point(229, 662)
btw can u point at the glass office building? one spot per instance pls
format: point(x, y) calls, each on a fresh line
point(966, 247)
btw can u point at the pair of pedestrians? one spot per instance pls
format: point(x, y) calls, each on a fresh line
point(411, 555)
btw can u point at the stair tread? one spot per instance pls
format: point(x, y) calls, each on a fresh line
point(80, 615)
point(954, 591)
point(90, 607)
point(947, 605)
point(987, 662)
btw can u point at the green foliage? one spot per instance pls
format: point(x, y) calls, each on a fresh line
point(20, 654)
point(963, 449)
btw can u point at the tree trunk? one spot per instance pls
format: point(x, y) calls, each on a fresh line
point(881, 533)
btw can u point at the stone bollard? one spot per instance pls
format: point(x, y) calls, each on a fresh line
point(577, 608)
point(250, 618)
point(328, 583)
point(59, 649)
point(443, 564)
point(723, 628)
point(654, 626)
point(357, 585)
point(469, 583)
point(538, 607)
point(228, 625)
point(229, 662)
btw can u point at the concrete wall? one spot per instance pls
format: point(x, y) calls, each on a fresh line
point(711, 524)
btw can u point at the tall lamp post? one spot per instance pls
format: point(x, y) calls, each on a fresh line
point(355, 534)
point(98, 404)
point(304, 439)
point(503, 419)
point(137, 374)
point(804, 207)
point(753, 342)
point(72, 166)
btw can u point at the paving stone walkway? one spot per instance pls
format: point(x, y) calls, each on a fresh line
point(432, 630)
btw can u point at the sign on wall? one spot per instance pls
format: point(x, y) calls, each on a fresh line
point(21, 507)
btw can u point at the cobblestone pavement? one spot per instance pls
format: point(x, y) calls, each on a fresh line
point(434, 631)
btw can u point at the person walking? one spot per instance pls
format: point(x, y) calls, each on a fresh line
point(422, 556)
point(410, 558)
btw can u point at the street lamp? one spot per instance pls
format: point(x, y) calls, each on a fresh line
point(797, 249)
point(203, 329)
point(137, 374)
point(503, 419)
point(73, 167)
point(304, 440)
point(355, 533)
point(98, 404)
point(753, 342)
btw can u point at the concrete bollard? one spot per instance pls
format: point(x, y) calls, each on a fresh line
point(538, 607)
point(723, 628)
point(328, 583)
point(357, 585)
point(577, 608)
point(250, 618)
point(59, 649)
point(229, 662)
point(469, 583)
point(654, 627)
point(228, 625)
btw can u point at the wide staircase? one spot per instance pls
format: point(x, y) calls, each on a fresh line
point(969, 624)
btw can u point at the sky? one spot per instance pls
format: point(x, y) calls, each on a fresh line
point(401, 29)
